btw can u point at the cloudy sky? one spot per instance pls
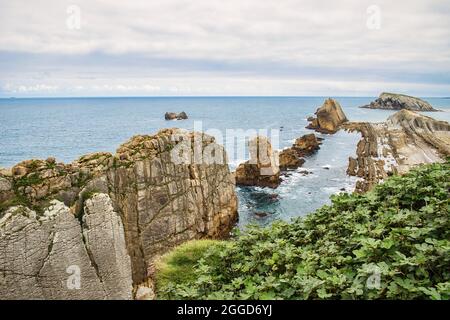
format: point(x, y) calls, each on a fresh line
point(218, 47)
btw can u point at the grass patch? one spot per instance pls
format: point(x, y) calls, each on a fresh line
point(178, 265)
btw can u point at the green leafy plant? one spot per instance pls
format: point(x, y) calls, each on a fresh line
point(390, 243)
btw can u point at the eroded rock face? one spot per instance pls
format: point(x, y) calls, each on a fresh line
point(328, 117)
point(393, 101)
point(164, 192)
point(406, 139)
point(289, 159)
point(292, 158)
point(307, 144)
point(54, 256)
point(262, 169)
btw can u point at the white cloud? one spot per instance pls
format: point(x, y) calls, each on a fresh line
point(414, 37)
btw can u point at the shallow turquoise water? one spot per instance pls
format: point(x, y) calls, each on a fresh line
point(68, 128)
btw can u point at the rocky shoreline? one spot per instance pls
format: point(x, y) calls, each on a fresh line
point(404, 140)
point(109, 216)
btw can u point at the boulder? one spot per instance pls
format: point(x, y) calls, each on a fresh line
point(395, 101)
point(262, 169)
point(328, 117)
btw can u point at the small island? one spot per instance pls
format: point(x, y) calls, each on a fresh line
point(395, 101)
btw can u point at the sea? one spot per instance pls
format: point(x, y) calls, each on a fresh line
point(66, 128)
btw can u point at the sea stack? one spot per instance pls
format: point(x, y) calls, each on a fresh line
point(328, 117)
point(395, 101)
point(262, 169)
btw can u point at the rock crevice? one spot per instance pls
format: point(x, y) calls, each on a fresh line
point(160, 202)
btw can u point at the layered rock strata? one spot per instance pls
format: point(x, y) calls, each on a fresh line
point(406, 139)
point(166, 188)
point(393, 101)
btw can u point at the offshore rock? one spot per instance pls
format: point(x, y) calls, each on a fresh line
point(175, 116)
point(394, 101)
point(289, 159)
point(328, 117)
point(262, 169)
point(307, 144)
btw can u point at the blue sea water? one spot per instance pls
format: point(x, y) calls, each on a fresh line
point(67, 128)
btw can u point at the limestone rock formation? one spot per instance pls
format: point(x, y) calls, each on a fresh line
point(394, 101)
point(307, 144)
point(164, 192)
point(289, 159)
point(406, 139)
point(262, 169)
point(292, 158)
point(328, 117)
point(55, 256)
point(175, 116)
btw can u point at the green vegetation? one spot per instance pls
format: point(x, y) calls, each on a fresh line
point(17, 200)
point(177, 266)
point(29, 180)
point(397, 234)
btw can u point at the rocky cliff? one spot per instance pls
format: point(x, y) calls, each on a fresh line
point(406, 139)
point(55, 255)
point(161, 203)
point(393, 101)
point(328, 117)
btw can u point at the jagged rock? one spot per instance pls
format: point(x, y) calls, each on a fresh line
point(352, 166)
point(175, 116)
point(404, 140)
point(262, 169)
point(307, 144)
point(53, 256)
point(289, 159)
point(394, 101)
point(328, 117)
point(162, 190)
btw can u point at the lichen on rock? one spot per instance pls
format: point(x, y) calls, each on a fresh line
point(161, 202)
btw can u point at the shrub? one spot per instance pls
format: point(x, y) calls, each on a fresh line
point(390, 243)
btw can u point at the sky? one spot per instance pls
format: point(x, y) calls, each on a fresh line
point(224, 48)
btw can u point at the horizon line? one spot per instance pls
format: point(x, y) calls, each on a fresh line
point(206, 96)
